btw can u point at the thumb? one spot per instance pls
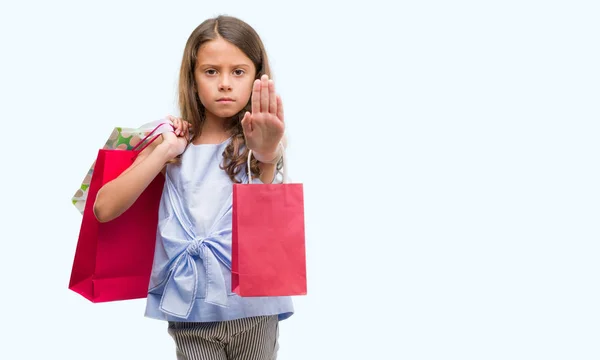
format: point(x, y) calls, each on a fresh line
point(246, 124)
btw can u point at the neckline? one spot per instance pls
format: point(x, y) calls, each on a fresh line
point(211, 144)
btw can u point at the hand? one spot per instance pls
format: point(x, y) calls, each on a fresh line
point(264, 127)
point(177, 140)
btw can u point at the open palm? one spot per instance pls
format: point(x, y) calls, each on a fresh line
point(264, 127)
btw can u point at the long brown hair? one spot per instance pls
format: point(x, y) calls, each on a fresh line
point(247, 40)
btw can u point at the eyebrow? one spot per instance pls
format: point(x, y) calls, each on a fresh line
point(217, 66)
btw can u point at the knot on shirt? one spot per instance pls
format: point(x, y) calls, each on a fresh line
point(195, 247)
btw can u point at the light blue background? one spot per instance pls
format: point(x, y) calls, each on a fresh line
point(449, 153)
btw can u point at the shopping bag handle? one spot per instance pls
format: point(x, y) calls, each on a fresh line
point(154, 138)
point(284, 170)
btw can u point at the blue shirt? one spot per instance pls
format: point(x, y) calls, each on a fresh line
point(191, 273)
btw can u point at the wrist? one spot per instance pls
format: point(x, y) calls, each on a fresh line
point(269, 157)
point(166, 151)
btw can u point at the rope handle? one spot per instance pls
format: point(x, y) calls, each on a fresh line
point(284, 170)
point(154, 138)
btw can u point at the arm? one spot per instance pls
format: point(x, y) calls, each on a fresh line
point(267, 173)
point(264, 127)
point(116, 196)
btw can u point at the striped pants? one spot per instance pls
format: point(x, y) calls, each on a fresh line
point(253, 338)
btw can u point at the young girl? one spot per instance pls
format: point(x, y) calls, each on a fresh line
point(228, 106)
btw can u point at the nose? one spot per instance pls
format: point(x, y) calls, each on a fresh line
point(225, 83)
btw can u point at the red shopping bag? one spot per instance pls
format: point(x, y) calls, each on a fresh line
point(268, 245)
point(113, 260)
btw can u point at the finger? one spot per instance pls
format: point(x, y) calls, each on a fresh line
point(256, 97)
point(264, 93)
point(246, 123)
point(170, 122)
point(272, 98)
point(170, 118)
point(279, 108)
point(181, 126)
point(174, 123)
point(177, 126)
point(186, 127)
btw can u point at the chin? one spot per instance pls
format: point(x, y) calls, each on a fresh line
point(225, 113)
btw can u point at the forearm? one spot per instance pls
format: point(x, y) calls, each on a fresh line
point(115, 197)
point(267, 172)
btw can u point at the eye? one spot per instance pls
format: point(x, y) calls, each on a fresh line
point(239, 72)
point(210, 72)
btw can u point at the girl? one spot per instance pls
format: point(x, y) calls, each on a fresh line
point(228, 106)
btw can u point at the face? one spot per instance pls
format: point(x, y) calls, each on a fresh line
point(224, 76)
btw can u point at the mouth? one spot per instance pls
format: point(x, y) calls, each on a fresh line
point(225, 100)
